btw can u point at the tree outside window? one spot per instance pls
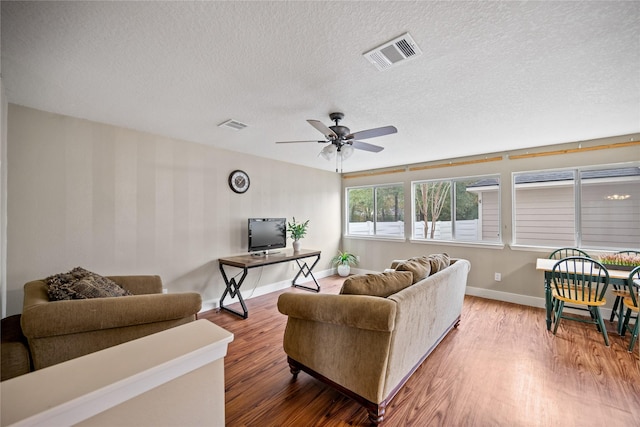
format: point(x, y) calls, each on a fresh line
point(431, 199)
point(376, 211)
point(474, 202)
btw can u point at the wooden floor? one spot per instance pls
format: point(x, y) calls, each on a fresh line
point(500, 367)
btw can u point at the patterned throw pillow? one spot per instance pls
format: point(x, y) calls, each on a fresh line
point(377, 285)
point(97, 287)
point(82, 284)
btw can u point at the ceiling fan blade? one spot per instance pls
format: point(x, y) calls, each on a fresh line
point(328, 133)
point(372, 133)
point(294, 142)
point(366, 146)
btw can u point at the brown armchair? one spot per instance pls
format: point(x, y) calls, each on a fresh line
point(61, 330)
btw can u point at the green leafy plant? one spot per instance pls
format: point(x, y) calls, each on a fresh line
point(297, 230)
point(344, 258)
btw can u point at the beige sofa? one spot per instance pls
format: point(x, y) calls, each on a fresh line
point(368, 346)
point(61, 330)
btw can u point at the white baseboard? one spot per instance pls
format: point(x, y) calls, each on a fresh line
point(522, 299)
point(247, 294)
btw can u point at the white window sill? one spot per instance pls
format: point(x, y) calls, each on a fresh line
point(486, 245)
point(380, 238)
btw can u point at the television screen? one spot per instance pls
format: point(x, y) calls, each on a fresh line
point(267, 233)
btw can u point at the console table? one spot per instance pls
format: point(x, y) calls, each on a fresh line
point(245, 262)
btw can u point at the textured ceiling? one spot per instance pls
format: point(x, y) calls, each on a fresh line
point(493, 76)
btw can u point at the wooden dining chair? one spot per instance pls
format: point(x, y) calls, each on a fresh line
point(559, 254)
point(580, 281)
point(620, 292)
point(631, 302)
point(567, 252)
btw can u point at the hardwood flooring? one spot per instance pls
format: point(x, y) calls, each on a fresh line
point(500, 367)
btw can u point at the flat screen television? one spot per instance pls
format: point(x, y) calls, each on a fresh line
point(266, 234)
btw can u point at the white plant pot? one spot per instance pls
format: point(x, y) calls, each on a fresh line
point(344, 270)
point(296, 245)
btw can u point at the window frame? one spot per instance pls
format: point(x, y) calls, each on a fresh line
point(375, 234)
point(453, 210)
point(577, 183)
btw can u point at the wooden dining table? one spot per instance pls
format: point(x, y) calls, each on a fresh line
point(616, 277)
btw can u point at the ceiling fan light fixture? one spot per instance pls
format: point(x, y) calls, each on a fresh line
point(346, 151)
point(341, 143)
point(328, 151)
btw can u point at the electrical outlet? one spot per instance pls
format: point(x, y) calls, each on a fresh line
point(497, 277)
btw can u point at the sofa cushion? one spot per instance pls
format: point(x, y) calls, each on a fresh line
point(420, 267)
point(82, 284)
point(378, 285)
point(439, 262)
point(97, 287)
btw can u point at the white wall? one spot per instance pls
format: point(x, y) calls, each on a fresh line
point(118, 201)
point(520, 282)
point(3, 200)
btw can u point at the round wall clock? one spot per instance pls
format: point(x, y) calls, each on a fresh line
point(239, 181)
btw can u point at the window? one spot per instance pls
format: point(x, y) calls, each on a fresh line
point(376, 211)
point(474, 202)
point(588, 208)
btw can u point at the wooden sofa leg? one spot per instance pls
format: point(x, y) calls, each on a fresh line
point(294, 370)
point(376, 415)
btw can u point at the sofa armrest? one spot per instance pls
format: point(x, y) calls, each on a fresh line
point(357, 311)
point(50, 318)
point(139, 285)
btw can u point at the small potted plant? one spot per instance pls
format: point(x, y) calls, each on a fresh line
point(297, 231)
point(344, 261)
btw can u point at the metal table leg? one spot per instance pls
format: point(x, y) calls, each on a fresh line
point(305, 270)
point(233, 290)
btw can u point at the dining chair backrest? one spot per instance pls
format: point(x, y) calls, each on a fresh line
point(580, 278)
point(633, 283)
point(567, 252)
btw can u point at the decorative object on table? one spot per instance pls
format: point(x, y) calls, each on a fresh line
point(344, 261)
point(620, 292)
point(297, 231)
point(626, 261)
point(239, 181)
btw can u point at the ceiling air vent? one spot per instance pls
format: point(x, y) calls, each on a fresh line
point(394, 52)
point(232, 124)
